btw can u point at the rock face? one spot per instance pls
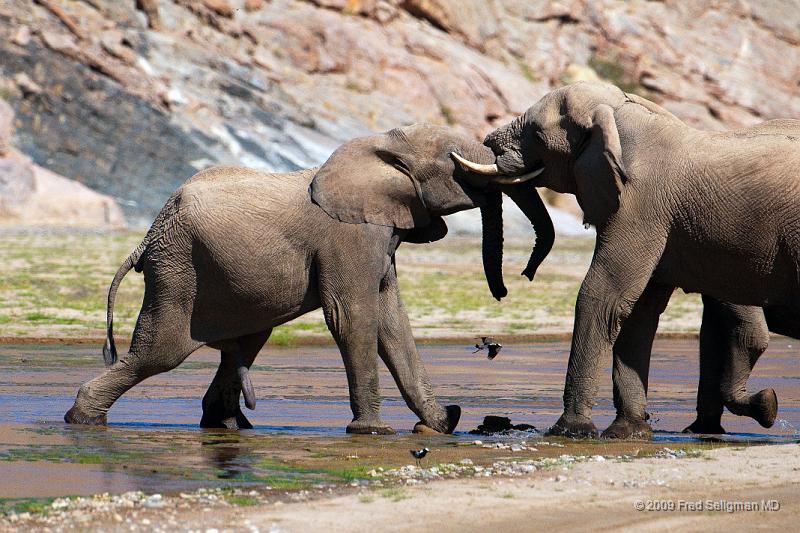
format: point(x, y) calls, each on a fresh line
point(34, 196)
point(132, 101)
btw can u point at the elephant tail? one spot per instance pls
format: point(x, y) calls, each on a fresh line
point(133, 261)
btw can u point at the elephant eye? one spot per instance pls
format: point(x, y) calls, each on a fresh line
point(391, 159)
point(401, 166)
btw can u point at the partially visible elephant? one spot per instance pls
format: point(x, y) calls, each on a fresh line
point(710, 212)
point(236, 252)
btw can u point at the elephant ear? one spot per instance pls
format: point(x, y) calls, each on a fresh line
point(361, 182)
point(434, 231)
point(599, 172)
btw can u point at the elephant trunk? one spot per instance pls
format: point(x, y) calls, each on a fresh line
point(529, 201)
point(492, 231)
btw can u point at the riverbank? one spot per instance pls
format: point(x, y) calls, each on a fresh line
point(54, 289)
point(745, 487)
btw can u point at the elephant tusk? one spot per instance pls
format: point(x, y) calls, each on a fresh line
point(512, 180)
point(247, 387)
point(477, 168)
point(493, 172)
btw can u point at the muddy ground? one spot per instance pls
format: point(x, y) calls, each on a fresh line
point(299, 456)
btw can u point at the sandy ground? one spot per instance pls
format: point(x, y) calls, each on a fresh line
point(591, 495)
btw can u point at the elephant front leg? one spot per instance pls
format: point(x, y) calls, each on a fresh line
point(632, 352)
point(620, 271)
point(353, 322)
point(397, 349)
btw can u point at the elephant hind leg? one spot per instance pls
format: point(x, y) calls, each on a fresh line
point(221, 402)
point(736, 339)
point(161, 341)
point(714, 349)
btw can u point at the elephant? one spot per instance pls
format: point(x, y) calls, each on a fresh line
point(236, 252)
point(674, 206)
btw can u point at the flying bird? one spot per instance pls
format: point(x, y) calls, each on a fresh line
point(492, 347)
point(419, 454)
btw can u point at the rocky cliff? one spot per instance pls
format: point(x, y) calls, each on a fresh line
point(130, 97)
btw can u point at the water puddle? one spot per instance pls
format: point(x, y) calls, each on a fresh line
point(153, 442)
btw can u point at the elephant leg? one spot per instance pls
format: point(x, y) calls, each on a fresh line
point(161, 342)
point(221, 402)
point(632, 351)
point(620, 271)
point(352, 319)
point(746, 337)
point(714, 348)
point(397, 349)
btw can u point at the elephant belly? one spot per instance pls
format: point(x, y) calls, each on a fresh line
point(756, 278)
point(244, 287)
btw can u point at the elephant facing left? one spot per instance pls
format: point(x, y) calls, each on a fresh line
point(236, 252)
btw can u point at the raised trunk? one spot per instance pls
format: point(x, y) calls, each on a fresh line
point(492, 222)
point(528, 200)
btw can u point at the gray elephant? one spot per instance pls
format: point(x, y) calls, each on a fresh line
point(710, 212)
point(236, 252)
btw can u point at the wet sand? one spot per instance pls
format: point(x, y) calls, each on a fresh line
point(303, 405)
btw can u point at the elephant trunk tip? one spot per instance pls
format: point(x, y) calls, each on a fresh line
point(499, 292)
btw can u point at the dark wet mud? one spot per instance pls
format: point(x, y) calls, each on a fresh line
point(153, 442)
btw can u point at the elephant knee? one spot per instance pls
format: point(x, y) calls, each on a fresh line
point(755, 339)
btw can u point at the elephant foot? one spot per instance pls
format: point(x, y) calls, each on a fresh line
point(705, 427)
point(765, 407)
point(630, 429)
point(76, 416)
point(369, 427)
point(574, 428)
point(235, 421)
point(445, 424)
point(421, 429)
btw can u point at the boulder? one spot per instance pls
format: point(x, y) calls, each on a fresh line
point(6, 127)
point(34, 196)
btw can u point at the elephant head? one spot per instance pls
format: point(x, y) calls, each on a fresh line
point(407, 179)
point(568, 142)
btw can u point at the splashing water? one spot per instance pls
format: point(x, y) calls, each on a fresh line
point(786, 426)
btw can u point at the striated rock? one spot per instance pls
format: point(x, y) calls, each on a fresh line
point(473, 20)
point(220, 7)
point(253, 5)
point(575, 73)
point(150, 9)
point(21, 36)
point(278, 85)
point(80, 123)
point(6, 127)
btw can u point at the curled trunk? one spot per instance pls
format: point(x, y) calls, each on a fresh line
point(528, 200)
point(492, 231)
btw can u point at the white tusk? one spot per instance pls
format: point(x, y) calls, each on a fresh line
point(512, 180)
point(477, 168)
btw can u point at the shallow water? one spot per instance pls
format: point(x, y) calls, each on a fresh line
point(153, 441)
